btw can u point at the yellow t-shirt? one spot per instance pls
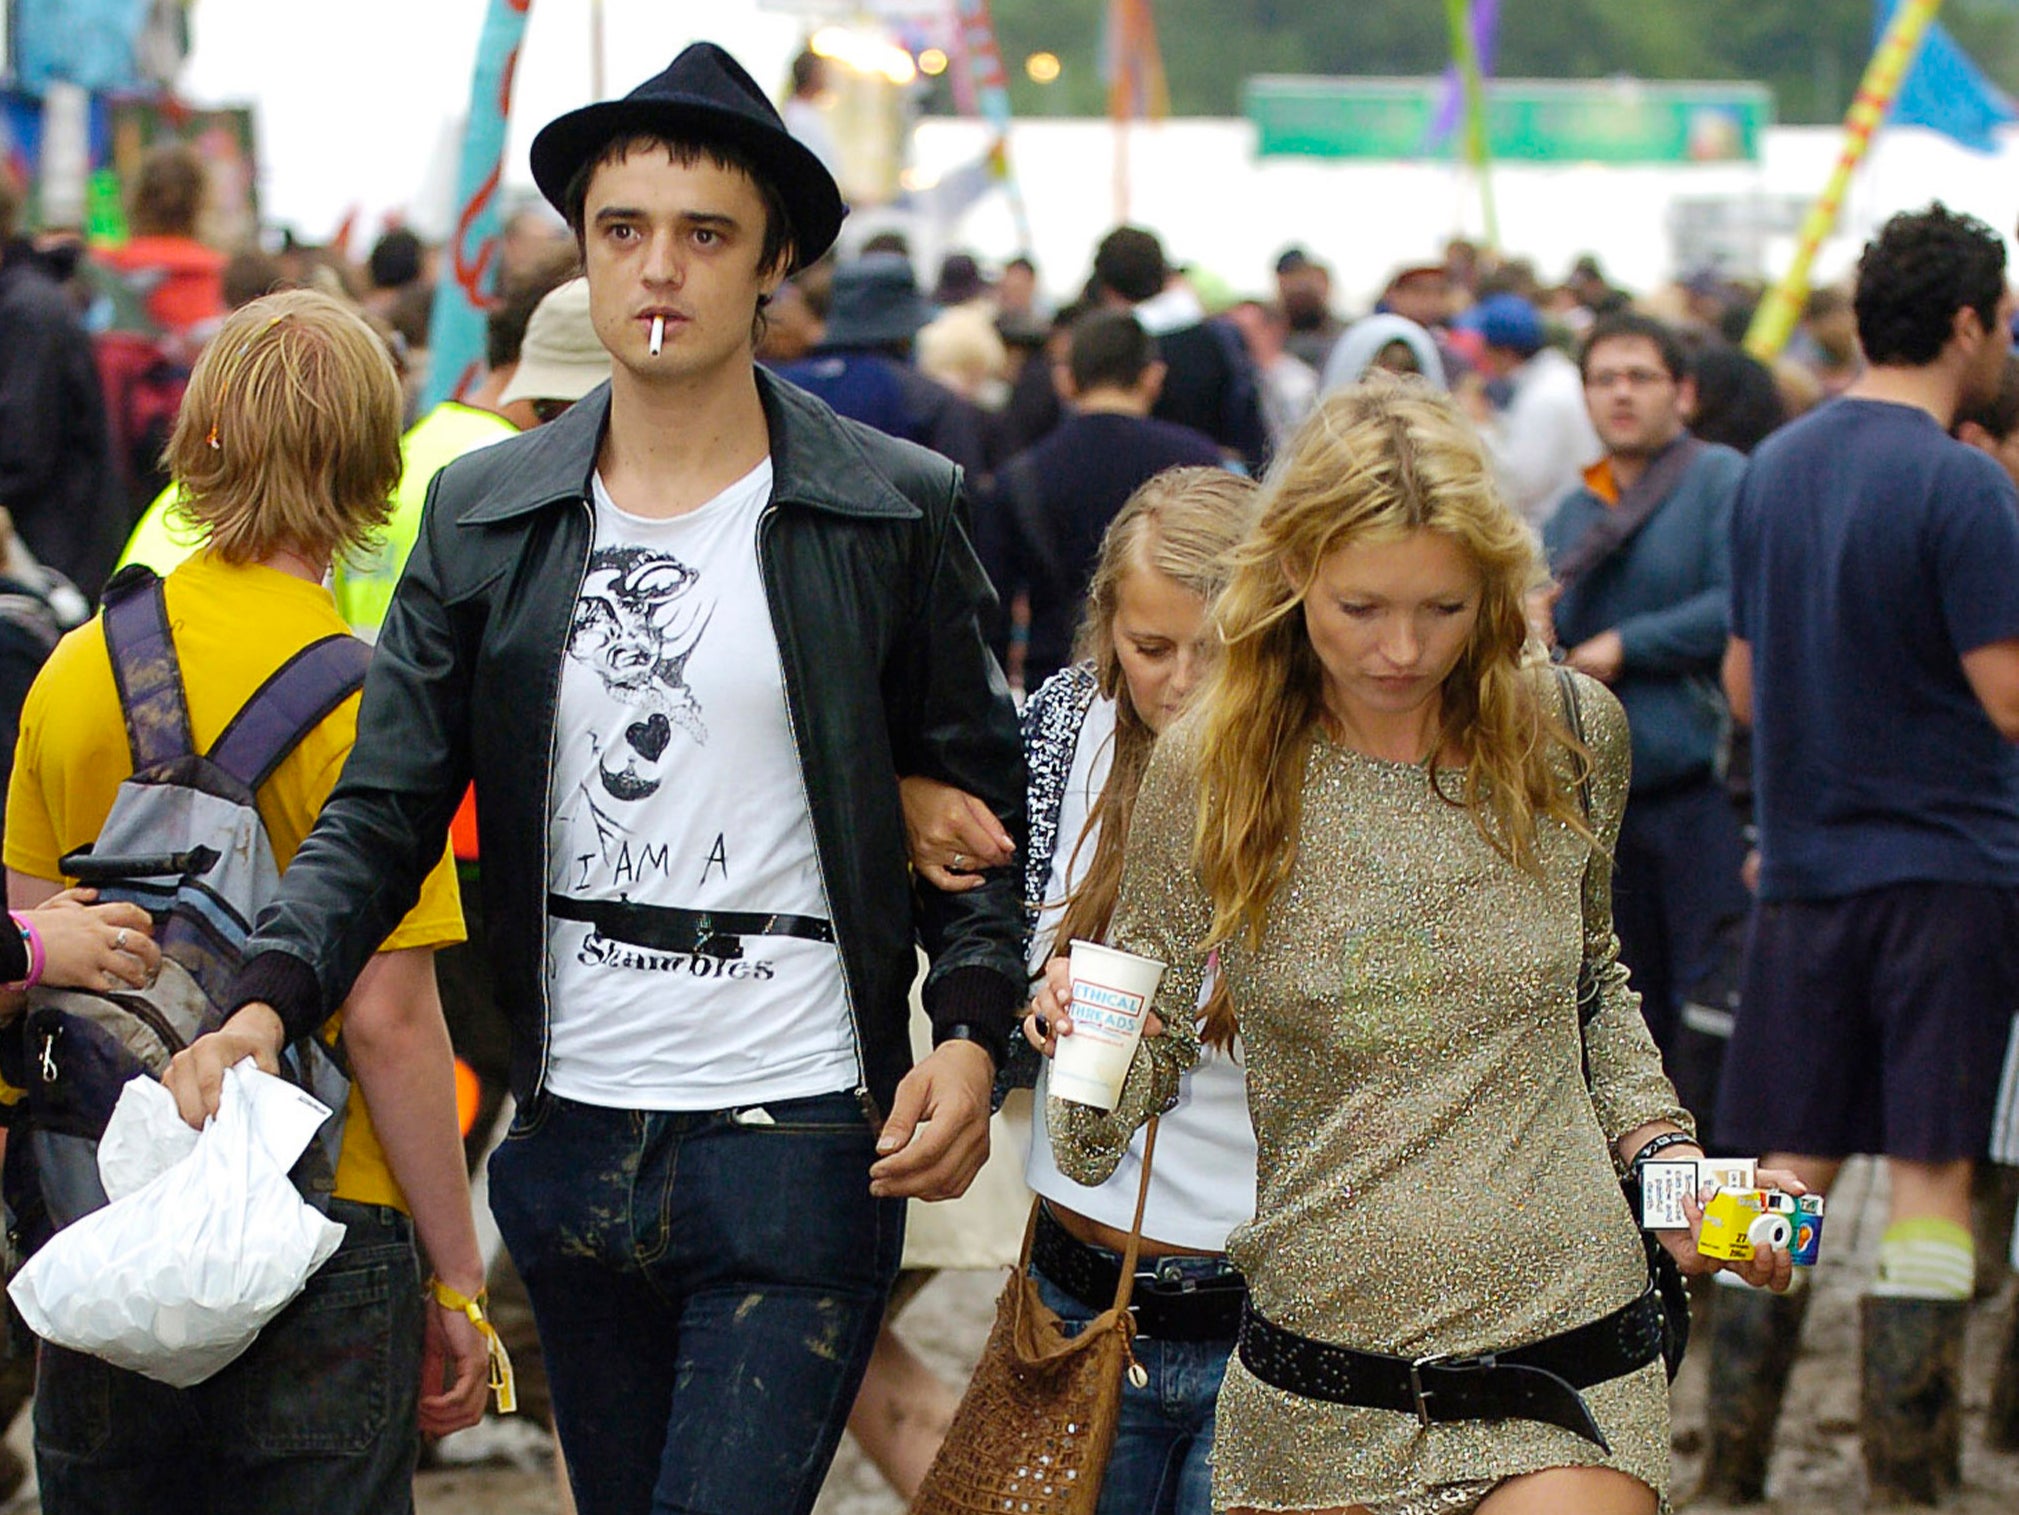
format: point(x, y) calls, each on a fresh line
point(233, 627)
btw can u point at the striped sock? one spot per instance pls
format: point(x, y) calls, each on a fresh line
point(1926, 1258)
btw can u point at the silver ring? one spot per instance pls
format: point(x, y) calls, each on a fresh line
point(959, 861)
point(119, 940)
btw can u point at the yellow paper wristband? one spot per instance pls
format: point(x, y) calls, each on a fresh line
point(502, 1383)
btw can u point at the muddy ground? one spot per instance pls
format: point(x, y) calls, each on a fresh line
point(1816, 1466)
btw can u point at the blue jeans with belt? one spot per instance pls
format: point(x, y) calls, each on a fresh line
point(1164, 1439)
point(317, 1418)
point(707, 1285)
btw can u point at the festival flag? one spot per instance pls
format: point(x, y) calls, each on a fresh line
point(456, 325)
point(1946, 91)
point(1133, 64)
point(1774, 321)
point(978, 67)
point(1485, 27)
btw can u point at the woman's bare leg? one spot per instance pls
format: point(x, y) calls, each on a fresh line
point(1590, 1491)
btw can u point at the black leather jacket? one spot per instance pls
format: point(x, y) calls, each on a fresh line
point(878, 602)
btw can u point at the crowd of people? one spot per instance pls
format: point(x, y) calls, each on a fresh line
point(1536, 737)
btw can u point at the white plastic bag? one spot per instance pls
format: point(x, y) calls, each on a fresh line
point(204, 1242)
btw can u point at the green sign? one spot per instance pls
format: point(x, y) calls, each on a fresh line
point(1581, 121)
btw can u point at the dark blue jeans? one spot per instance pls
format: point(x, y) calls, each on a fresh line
point(1164, 1439)
point(317, 1418)
point(707, 1289)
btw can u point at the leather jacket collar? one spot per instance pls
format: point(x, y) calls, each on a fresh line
point(814, 461)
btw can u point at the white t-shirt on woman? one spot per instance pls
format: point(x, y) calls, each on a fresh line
point(1203, 1182)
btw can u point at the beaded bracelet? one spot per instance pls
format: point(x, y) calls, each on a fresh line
point(31, 940)
point(1660, 1143)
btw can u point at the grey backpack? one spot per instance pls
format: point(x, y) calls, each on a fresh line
point(185, 842)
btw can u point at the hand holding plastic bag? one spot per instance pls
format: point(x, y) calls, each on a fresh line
point(204, 1242)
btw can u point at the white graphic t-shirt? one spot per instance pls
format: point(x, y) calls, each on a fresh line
point(676, 785)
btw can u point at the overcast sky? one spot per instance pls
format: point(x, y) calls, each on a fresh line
point(355, 100)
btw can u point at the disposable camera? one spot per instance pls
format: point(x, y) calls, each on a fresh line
point(1739, 1217)
point(1737, 1222)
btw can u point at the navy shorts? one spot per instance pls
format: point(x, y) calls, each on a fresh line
point(1875, 1023)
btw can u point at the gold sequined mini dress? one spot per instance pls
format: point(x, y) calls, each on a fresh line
point(1434, 1176)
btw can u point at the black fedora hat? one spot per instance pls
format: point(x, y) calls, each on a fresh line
point(705, 94)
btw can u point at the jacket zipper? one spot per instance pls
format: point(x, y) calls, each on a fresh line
point(863, 1097)
point(547, 809)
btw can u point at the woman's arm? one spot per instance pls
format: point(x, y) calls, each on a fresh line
point(1631, 1094)
point(1161, 913)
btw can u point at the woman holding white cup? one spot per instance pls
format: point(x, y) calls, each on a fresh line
point(1376, 816)
point(1145, 642)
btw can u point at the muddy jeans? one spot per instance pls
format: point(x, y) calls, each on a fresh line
point(708, 1286)
point(317, 1418)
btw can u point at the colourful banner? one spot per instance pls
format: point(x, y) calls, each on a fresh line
point(1775, 320)
point(456, 325)
point(979, 58)
point(1134, 64)
point(1465, 58)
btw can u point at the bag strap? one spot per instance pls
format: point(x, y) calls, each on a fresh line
point(1126, 1284)
point(1573, 715)
point(145, 669)
point(288, 706)
point(1636, 507)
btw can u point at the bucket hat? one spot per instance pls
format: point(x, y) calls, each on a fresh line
point(875, 301)
point(561, 358)
point(704, 94)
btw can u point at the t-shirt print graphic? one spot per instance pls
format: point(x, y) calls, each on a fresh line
point(638, 619)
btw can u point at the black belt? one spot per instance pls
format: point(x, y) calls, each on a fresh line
point(1538, 1381)
point(666, 928)
point(1166, 1309)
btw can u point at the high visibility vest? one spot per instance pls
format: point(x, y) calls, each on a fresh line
point(364, 579)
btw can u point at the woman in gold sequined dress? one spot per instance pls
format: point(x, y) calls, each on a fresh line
point(1374, 814)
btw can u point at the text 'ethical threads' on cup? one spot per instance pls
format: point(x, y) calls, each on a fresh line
point(1112, 992)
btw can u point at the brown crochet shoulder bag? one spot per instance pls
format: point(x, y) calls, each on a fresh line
point(1034, 1429)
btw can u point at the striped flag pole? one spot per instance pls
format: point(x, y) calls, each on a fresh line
point(456, 324)
point(1775, 320)
point(1465, 54)
point(981, 60)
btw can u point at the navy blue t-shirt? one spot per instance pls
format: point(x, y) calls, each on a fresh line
point(1869, 552)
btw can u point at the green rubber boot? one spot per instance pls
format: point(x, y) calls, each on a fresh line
point(1911, 1411)
point(1753, 1340)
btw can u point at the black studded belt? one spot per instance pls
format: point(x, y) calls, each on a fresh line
point(664, 928)
point(1166, 1309)
point(1538, 1381)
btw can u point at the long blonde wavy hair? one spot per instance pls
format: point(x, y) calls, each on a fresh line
point(1184, 524)
point(1374, 463)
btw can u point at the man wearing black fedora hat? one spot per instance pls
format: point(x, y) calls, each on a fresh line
point(684, 639)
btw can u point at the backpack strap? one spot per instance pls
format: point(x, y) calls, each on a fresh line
point(288, 706)
point(145, 668)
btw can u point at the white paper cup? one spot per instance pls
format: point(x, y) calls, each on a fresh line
point(1111, 995)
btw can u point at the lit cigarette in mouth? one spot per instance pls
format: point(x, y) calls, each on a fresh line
point(658, 333)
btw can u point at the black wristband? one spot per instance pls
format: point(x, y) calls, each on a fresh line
point(963, 1031)
point(1656, 1145)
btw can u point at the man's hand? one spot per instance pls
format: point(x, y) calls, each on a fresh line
point(196, 1076)
point(937, 1136)
point(1600, 658)
point(453, 1353)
